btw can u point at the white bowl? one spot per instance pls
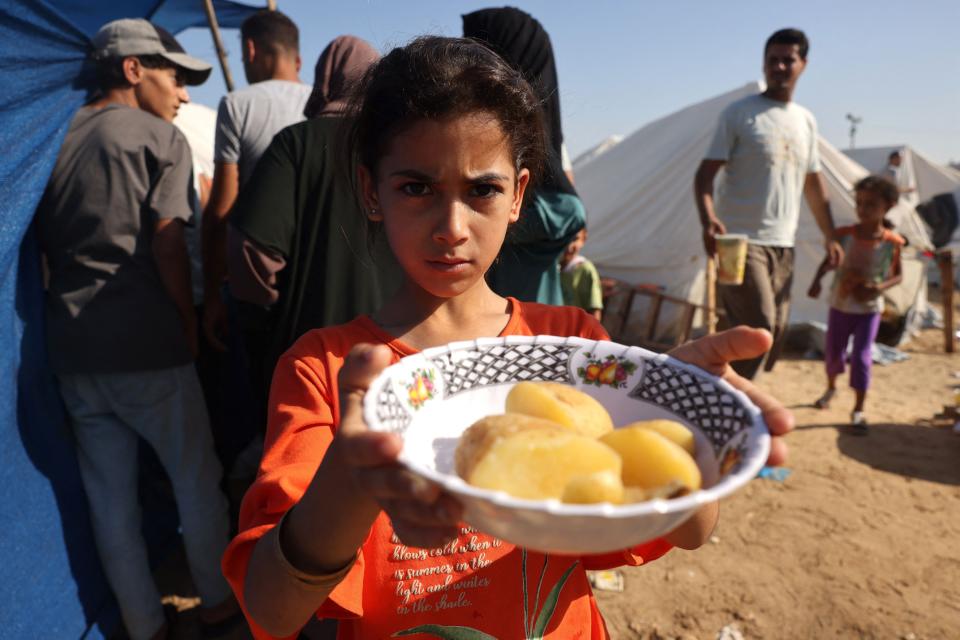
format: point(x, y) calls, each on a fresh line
point(432, 397)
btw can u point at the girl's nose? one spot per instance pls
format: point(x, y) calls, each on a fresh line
point(452, 226)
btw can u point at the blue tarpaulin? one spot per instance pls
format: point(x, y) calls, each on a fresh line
point(52, 585)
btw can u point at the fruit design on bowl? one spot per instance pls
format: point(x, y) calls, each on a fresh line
point(422, 387)
point(610, 371)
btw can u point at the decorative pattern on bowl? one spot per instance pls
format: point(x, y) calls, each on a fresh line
point(432, 397)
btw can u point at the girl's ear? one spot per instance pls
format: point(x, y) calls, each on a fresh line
point(523, 178)
point(368, 194)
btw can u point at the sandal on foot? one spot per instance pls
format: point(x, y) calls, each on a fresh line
point(823, 402)
point(859, 422)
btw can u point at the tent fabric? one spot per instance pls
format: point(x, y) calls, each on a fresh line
point(54, 587)
point(643, 222)
point(929, 178)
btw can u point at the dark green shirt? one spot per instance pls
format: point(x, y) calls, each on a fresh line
point(300, 203)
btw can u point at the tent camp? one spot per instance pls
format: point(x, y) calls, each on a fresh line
point(936, 189)
point(643, 222)
point(926, 176)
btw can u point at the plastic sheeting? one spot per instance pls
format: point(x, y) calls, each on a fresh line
point(643, 222)
point(53, 586)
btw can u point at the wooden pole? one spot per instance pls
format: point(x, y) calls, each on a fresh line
point(945, 262)
point(272, 5)
point(218, 43)
point(711, 295)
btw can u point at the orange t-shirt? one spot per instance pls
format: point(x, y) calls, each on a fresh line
point(476, 581)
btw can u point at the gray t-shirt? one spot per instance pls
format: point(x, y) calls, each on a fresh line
point(120, 169)
point(769, 148)
point(249, 118)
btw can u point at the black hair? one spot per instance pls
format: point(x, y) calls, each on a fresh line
point(789, 36)
point(881, 186)
point(271, 30)
point(434, 78)
point(893, 154)
point(110, 70)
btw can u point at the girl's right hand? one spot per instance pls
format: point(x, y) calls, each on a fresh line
point(422, 514)
point(814, 291)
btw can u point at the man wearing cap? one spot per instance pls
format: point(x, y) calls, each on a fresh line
point(121, 330)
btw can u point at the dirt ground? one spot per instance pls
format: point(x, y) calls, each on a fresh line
point(862, 540)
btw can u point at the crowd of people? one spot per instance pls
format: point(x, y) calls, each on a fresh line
point(399, 203)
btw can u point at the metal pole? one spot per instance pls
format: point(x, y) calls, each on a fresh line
point(945, 261)
point(218, 43)
point(711, 294)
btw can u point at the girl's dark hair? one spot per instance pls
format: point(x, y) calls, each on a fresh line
point(434, 78)
point(881, 186)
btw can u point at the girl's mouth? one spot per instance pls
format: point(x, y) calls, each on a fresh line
point(449, 265)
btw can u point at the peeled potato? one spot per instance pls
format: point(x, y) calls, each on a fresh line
point(651, 460)
point(484, 433)
point(527, 460)
point(562, 404)
point(602, 486)
point(671, 430)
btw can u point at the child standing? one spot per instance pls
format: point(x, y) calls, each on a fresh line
point(579, 279)
point(447, 137)
point(871, 266)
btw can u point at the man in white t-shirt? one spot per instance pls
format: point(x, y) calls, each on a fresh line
point(767, 146)
point(246, 123)
point(895, 173)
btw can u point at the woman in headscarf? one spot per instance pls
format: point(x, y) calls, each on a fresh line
point(528, 264)
point(298, 241)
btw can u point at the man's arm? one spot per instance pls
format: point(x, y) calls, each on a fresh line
point(223, 194)
point(703, 194)
point(815, 192)
point(173, 264)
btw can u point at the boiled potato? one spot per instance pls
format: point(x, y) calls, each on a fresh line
point(484, 433)
point(651, 460)
point(526, 458)
point(602, 486)
point(562, 404)
point(671, 430)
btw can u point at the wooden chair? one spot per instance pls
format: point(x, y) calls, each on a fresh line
point(618, 302)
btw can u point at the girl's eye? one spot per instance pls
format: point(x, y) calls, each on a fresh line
point(415, 189)
point(484, 190)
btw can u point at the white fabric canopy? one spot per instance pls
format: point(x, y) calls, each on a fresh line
point(643, 223)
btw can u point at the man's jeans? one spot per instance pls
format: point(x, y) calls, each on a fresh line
point(165, 407)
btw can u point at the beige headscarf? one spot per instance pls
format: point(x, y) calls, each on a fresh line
point(341, 64)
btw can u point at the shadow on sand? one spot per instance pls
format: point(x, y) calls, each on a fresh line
point(914, 451)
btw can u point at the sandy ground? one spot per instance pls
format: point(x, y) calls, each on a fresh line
point(862, 540)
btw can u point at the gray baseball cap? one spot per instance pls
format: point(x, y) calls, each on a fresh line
point(138, 37)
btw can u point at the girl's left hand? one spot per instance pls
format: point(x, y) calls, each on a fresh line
point(714, 353)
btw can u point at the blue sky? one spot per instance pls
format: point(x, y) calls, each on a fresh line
point(622, 64)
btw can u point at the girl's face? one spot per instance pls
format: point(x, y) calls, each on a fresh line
point(446, 190)
point(871, 208)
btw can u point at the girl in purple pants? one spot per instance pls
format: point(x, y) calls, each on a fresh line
point(870, 266)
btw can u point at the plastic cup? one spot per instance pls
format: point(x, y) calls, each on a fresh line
point(732, 257)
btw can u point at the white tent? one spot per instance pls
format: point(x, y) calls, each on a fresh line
point(643, 222)
point(926, 176)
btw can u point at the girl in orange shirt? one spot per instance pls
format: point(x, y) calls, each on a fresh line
point(448, 139)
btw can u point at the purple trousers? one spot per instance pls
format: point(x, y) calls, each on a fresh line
point(863, 327)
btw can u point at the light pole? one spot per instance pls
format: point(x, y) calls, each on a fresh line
point(854, 121)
